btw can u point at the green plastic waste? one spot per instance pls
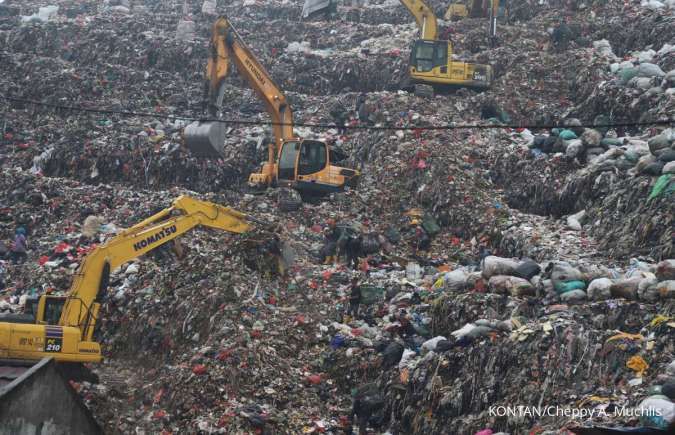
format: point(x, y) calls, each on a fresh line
point(610, 141)
point(504, 117)
point(627, 74)
point(568, 286)
point(421, 330)
point(371, 294)
point(430, 225)
point(631, 156)
point(663, 185)
point(567, 135)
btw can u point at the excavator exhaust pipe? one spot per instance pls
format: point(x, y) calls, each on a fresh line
point(205, 139)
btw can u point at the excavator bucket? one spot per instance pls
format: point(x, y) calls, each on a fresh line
point(205, 139)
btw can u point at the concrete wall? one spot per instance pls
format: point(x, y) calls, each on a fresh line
point(42, 402)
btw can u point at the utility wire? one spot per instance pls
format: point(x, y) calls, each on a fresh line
point(334, 126)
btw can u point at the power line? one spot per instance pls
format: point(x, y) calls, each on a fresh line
point(333, 126)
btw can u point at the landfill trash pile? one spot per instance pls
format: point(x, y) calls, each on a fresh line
point(581, 336)
point(495, 266)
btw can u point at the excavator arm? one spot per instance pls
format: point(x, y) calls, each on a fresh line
point(425, 18)
point(494, 12)
point(81, 307)
point(227, 46)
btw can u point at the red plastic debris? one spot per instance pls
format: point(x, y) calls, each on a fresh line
point(160, 413)
point(158, 396)
point(313, 379)
point(199, 369)
point(62, 247)
point(224, 354)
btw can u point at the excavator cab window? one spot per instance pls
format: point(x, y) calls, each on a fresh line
point(313, 157)
point(287, 158)
point(53, 308)
point(426, 55)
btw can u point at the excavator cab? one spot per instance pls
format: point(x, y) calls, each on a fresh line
point(431, 63)
point(305, 165)
point(39, 310)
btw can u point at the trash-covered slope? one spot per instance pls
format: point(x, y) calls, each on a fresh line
point(214, 341)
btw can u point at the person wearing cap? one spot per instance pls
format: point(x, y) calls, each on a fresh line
point(18, 251)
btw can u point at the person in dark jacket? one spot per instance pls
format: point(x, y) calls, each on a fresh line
point(353, 251)
point(331, 233)
point(363, 110)
point(421, 240)
point(562, 35)
point(354, 298)
point(339, 115)
point(368, 402)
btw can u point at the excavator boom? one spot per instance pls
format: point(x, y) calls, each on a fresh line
point(227, 46)
point(425, 18)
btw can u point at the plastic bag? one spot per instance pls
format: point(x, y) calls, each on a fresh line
point(493, 266)
point(567, 135)
point(455, 280)
point(598, 289)
point(568, 286)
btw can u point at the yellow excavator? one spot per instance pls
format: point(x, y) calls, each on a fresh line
point(431, 64)
point(476, 9)
point(491, 9)
point(303, 164)
point(63, 327)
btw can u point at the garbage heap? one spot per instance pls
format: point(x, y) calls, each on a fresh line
point(579, 313)
point(449, 351)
